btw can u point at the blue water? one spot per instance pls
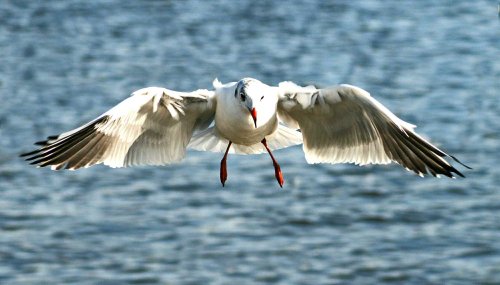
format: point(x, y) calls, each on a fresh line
point(434, 63)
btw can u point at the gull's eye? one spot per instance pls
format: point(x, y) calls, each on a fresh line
point(261, 98)
point(243, 96)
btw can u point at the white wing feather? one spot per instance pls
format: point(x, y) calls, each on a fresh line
point(344, 124)
point(152, 127)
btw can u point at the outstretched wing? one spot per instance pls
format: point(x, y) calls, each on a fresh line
point(152, 127)
point(344, 124)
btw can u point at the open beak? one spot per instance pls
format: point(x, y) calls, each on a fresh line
point(254, 116)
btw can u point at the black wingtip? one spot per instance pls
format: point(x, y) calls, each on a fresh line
point(458, 173)
point(455, 159)
point(29, 153)
point(45, 142)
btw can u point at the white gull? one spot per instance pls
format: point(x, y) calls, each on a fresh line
point(155, 126)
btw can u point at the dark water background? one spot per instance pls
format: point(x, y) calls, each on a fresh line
point(434, 63)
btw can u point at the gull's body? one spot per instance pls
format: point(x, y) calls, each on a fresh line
point(340, 124)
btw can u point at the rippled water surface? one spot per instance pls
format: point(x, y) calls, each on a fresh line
point(434, 63)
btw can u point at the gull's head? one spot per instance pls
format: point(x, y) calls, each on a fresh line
point(253, 96)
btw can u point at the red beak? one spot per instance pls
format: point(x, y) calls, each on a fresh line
point(254, 116)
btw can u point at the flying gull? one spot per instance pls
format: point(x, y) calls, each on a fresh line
point(155, 126)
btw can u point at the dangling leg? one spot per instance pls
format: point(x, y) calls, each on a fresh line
point(277, 169)
point(223, 168)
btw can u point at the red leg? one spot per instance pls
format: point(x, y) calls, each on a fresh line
point(223, 168)
point(277, 168)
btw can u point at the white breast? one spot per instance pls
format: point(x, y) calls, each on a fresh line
point(235, 124)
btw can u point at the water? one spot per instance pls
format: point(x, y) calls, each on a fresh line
point(433, 63)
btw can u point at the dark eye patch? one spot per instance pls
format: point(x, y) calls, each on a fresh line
point(243, 96)
point(261, 98)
